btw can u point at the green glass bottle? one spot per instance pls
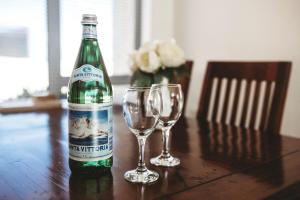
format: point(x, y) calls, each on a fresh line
point(90, 107)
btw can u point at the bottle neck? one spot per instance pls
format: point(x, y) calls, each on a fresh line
point(89, 31)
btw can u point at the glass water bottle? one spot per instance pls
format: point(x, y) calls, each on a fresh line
point(90, 107)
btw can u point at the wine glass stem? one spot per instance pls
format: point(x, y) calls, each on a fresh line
point(165, 151)
point(141, 164)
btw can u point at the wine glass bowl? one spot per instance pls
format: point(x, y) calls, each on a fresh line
point(172, 104)
point(141, 109)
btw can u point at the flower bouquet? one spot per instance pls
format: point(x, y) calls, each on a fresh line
point(157, 62)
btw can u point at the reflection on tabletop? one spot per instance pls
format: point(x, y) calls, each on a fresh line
point(241, 148)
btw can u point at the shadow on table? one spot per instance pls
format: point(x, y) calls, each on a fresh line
point(292, 192)
point(180, 136)
point(240, 149)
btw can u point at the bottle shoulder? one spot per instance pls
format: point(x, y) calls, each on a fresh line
point(90, 54)
point(89, 82)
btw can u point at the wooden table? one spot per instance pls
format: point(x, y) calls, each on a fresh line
point(215, 164)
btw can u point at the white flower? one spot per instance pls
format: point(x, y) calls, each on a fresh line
point(170, 54)
point(148, 61)
point(149, 46)
point(153, 55)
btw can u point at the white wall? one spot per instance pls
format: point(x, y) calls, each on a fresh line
point(157, 19)
point(231, 30)
point(241, 30)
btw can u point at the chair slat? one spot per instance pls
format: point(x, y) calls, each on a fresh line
point(235, 101)
point(226, 100)
point(245, 104)
point(255, 105)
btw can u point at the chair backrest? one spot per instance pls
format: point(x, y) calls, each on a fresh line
point(245, 94)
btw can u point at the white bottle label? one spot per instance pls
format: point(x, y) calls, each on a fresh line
point(90, 131)
point(89, 32)
point(87, 73)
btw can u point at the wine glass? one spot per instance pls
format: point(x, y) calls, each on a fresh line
point(141, 109)
point(172, 104)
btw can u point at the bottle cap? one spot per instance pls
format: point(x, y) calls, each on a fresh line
point(89, 19)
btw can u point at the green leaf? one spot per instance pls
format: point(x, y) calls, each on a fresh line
point(173, 75)
point(158, 78)
point(141, 79)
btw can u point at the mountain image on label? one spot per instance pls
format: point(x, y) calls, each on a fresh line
point(90, 107)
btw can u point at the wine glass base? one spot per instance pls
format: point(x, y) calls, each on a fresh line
point(165, 161)
point(145, 177)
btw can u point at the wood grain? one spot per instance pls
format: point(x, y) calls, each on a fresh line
point(34, 161)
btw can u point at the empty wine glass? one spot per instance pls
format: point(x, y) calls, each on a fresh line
point(172, 103)
point(141, 109)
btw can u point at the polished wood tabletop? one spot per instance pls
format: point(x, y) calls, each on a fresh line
point(217, 162)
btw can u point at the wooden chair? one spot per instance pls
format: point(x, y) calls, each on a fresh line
point(185, 82)
point(231, 132)
point(232, 84)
